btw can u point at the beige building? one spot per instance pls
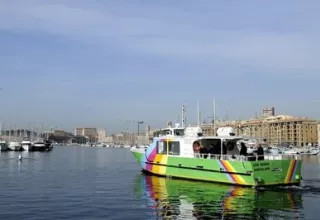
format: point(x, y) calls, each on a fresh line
point(91, 133)
point(59, 132)
point(276, 129)
point(109, 139)
point(102, 135)
point(318, 134)
point(78, 132)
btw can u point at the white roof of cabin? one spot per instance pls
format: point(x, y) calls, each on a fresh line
point(200, 138)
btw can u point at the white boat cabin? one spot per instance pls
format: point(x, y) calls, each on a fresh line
point(179, 142)
point(172, 132)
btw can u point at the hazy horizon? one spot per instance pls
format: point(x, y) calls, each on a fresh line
point(82, 63)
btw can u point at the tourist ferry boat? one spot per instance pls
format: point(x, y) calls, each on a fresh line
point(172, 155)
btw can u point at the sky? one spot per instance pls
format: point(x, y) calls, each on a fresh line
point(107, 64)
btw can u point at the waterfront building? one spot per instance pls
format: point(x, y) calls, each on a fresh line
point(318, 130)
point(102, 134)
point(78, 132)
point(277, 130)
point(91, 133)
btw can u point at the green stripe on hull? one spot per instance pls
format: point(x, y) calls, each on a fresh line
point(245, 173)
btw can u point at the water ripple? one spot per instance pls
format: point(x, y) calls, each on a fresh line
point(100, 183)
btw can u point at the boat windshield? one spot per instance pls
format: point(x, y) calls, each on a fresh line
point(178, 132)
point(175, 132)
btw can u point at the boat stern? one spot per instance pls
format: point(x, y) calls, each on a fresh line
point(277, 172)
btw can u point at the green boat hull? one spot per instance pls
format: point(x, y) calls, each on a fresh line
point(244, 173)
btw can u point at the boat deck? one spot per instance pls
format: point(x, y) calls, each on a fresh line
point(231, 157)
point(246, 158)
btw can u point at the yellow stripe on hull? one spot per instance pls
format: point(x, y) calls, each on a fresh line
point(162, 159)
point(230, 168)
point(290, 171)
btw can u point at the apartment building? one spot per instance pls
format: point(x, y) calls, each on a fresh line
point(280, 129)
point(318, 128)
point(91, 133)
point(78, 132)
point(102, 135)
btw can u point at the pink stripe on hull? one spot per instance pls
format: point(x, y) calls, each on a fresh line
point(151, 158)
point(153, 154)
point(149, 167)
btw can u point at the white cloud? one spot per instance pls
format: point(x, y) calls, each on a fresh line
point(162, 36)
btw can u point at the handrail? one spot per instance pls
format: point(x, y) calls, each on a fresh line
point(245, 158)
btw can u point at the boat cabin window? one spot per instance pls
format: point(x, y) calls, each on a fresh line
point(208, 146)
point(231, 144)
point(168, 147)
point(165, 132)
point(215, 146)
point(178, 132)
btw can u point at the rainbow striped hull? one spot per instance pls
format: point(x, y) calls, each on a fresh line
point(245, 173)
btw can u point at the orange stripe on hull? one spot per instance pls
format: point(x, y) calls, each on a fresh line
point(290, 172)
point(236, 178)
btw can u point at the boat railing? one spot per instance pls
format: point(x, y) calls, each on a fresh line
point(246, 158)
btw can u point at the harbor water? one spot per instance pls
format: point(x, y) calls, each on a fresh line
point(106, 183)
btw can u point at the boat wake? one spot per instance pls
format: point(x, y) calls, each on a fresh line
point(306, 186)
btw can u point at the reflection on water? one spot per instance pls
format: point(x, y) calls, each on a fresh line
point(186, 199)
point(310, 159)
point(97, 183)
point(11, 160)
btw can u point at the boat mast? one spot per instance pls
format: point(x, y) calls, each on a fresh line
point(214, 116)
point(184, 116)
point(198, 114)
